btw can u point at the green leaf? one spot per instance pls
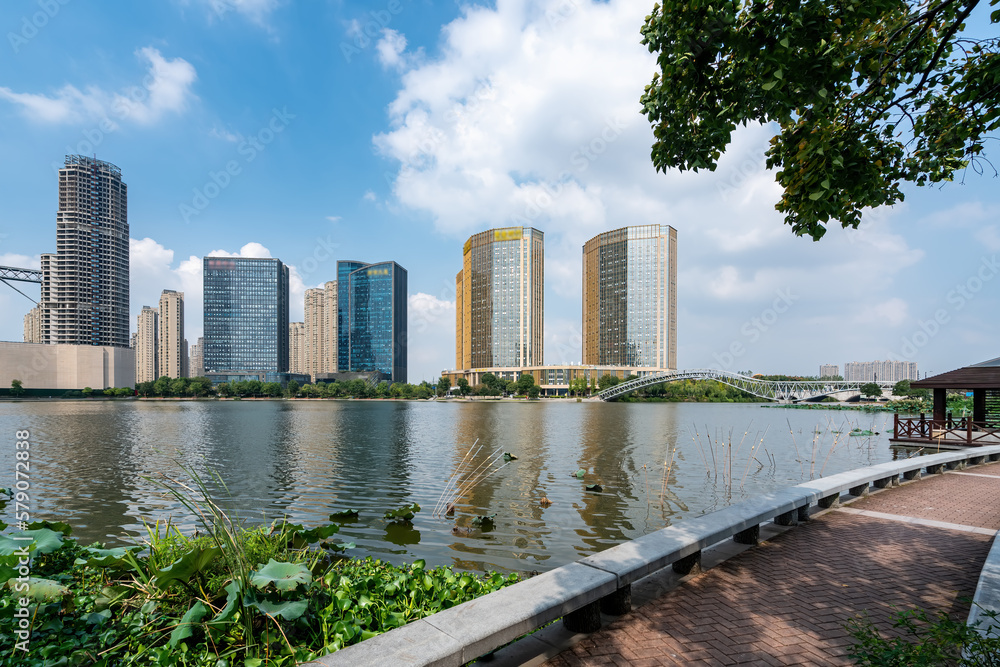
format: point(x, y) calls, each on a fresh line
point(192, 617)
point(580, 473)
point(404, 513)
point(345, 515)
point(284, 576)
point(42, 590)
point(770, 84)
point(195, 560)
point(43, 541)
point(784, 42)
point(114, 558)
point(288, 610)
point(816, 195)
point(58, 526)
point(826, 183)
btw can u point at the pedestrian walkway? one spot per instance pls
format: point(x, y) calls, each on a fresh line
point(786, 601)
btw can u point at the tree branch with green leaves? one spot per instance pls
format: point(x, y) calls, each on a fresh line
point(865, 94)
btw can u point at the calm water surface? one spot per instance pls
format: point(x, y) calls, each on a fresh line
point(90, 464)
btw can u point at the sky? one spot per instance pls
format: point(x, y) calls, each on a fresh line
point(394, 130)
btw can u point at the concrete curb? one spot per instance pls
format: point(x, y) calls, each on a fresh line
point(579, 591)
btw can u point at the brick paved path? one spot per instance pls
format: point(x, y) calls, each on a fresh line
point(786, 601)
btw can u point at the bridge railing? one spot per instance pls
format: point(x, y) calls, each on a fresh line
point(767, 389)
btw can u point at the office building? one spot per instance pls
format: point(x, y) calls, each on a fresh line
point(881, 371)
point(321, 330)
point(173, 360)
point(147, 345)
point(371, 318)
point(196, 359)
point(499, 319)
point(829, 370)
point(85, 283)
point(296, 347)
point(630, 298)
point(245, 316)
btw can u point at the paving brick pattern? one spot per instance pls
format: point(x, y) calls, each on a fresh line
point(786, 602)
point(936, 498)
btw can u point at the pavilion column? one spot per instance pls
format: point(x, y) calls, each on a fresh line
point(940, 404)
point(978, 405)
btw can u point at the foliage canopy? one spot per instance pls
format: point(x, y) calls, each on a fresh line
point(866, 94)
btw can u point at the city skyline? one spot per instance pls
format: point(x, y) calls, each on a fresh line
point(445, 134)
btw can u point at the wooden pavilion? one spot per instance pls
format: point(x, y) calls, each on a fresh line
point(982, 427)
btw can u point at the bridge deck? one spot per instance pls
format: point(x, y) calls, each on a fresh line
point(787, 601)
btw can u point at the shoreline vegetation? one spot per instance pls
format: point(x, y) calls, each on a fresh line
point(230, 594)
point(492, 388)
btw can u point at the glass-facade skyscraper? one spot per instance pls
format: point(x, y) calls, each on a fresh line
point(371, 318)
point(630, 297)
point(499, 318)
point(246, 315)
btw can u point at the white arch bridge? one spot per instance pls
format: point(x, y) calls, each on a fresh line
point(772, 390)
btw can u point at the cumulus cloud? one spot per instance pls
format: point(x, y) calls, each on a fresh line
point(428, 352)
point(529, 115)
point(390, 48)
point(154, 269)
point(166, 89)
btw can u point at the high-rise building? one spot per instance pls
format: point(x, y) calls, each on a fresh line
point(173, 346)
point(85, 283)
point(371, 318)
point(321, 329)
point(881, 371)
point(297, 347)
point(630, 297)
point(246, 316)
point(829, 370)
point(499, 319)
point(196, 359)
point(147, 344)
point(33, 326)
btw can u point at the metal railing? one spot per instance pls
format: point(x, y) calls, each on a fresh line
point(773, 390)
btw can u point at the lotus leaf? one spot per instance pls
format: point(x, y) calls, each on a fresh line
point(596, 488)
point(288, 610)
point(284, 576)
point(43, 590)
point(184, 630)
point(42, 541)
point(580, 473)
point(346, 515)
point(485, 521)
point(404, 513)
point(57, 526)
point(107, 557)
point(507, 456)
point(195, 560)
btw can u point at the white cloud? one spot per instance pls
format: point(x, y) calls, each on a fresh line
point(369, 196)
point(20, 261)
point(225, 135)
point(530, 116)
point(390, 48)
point(256, 11)
point(153, 270)
point(166, 89)
point(428, 352)
point(989, 237)
point(333, 218)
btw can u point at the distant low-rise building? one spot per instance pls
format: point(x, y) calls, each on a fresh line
point(60, 368)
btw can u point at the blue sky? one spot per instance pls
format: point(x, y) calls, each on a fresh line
point(393, 130)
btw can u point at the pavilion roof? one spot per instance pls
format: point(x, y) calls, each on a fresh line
point(984, 375)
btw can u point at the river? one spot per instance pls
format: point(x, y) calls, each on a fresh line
point(99, 466)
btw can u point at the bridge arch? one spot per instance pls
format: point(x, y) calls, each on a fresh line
point(772, 390)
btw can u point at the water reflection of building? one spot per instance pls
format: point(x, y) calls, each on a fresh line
point(553, 379)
